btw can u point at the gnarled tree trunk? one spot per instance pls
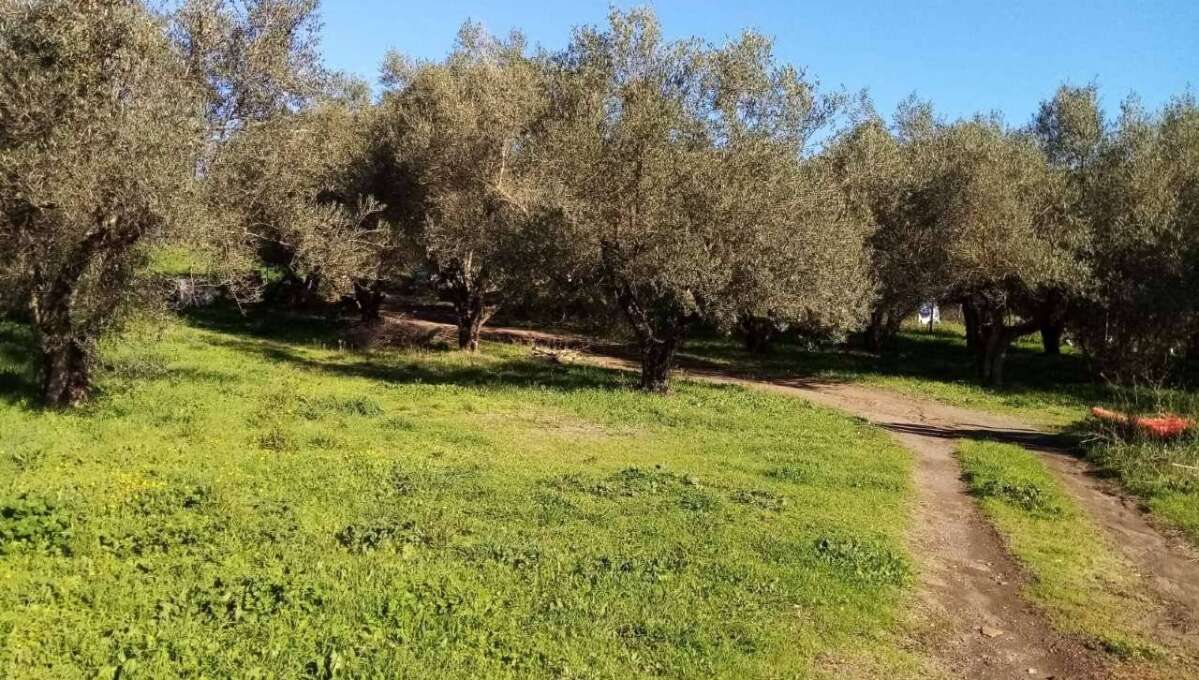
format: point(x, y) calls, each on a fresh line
point(65, 358)
point(659, 333)
point(657, 360)
point(67, 343)
point(467, 290)
point(995, 339)
point(66, 371)
point(472, 314)
point(1051, 337)
point(369, 298)
point(882, 329)
point(757, 334)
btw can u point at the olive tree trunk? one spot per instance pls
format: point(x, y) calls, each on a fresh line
point(970, 317)
point(67, 343)
point(883, 328)
point(657, 360)
point(757, 334)
point(659, 334)
point(66, 372)
point(1051, 337)
point(467, 289)
point(994, 341)
point(369, 298)
point(472, 314)
point(66, 354)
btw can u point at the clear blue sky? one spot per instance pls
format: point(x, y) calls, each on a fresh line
point(964, 55)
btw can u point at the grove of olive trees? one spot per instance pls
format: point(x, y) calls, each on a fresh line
point(680, 184)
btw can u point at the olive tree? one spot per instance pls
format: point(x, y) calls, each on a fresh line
point(295, 187)
point(882, 171)
point(680, 170)
point(459, 130)
point(1007, 241)
point(1070, 129)
point(111, 117)
point(100, 132)
point(1142, 313)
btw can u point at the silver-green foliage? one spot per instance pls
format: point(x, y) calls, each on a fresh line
point(100, 132)
point(461, 130)
point(681, 172)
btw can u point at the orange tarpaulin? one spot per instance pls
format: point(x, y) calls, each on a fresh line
point(1166, 426)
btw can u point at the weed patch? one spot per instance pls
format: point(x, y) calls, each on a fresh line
point(324, 407)
point(33, 524)
point(1028, 496)
point(250, 599)
point(370, 537)
point(863, 560)
point(758, 498)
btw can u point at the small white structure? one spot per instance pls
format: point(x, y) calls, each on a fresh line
point(929, 314)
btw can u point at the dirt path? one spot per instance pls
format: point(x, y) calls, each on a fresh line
point(967, 572)
point(977, 624)
point(1168, 564)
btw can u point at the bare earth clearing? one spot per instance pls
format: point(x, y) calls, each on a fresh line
point(972, 618)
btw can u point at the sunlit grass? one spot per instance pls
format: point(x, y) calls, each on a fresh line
point(248, 502)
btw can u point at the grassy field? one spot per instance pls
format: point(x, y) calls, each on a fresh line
point(244, 504)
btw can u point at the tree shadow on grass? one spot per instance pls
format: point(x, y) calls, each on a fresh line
point(281, 337)
point(266, 323)
point(936, 357)
point(18, 382)
point(518, 373)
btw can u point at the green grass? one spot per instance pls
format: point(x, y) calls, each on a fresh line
point(1076, 575)
point(1049, 390)
point(1163, 474)
point(248, 502)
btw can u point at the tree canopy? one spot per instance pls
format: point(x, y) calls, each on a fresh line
point(673, 185)
point(684, 185)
